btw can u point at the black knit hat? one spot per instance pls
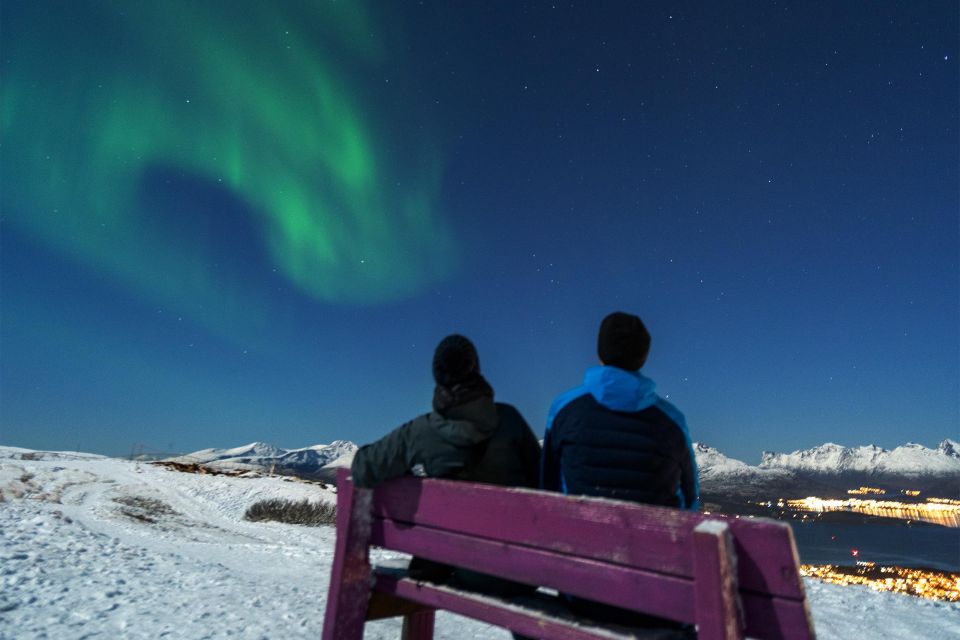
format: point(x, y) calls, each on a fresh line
point(623, 341)
point(455, 361)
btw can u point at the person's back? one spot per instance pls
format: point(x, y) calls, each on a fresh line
point(614, 437)
point(467, 436)
point(477, 441)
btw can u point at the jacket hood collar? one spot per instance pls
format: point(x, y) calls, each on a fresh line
point(468, 423)
point(620, 390)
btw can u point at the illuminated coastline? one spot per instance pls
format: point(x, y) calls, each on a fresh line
point(862, 491)
point(932, 585)
point(940, 511)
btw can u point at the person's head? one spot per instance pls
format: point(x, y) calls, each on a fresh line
point(623, 341)
point(455, 361)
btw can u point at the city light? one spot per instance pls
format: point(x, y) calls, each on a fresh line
point(933, 585)
point(944, 501)
point(939, 511)
point(868, 490)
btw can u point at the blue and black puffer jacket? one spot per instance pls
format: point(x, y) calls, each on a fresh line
point(614, 437)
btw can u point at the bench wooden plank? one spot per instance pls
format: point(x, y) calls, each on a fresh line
point(665, 596)
point(524, 618)
point(657, 594)
point(384, 605)
point(641, 536)
point(770, 619)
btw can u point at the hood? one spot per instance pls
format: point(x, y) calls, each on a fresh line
point(468, 423)
point(620, 390)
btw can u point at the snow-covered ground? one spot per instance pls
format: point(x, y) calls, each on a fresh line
point(107, 548)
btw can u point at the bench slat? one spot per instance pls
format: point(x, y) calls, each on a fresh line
point(653, 538)
point(653, 593)
point(767, 618)
point(670, 597)
point(522, 619)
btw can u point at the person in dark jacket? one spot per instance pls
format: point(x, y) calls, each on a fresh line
point(614, 437)
point(468, 437)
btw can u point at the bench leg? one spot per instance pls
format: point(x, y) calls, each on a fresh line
point(350, 577)
point(418, 626)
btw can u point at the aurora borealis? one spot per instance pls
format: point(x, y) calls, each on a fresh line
point(101, 96)
point(223, 222)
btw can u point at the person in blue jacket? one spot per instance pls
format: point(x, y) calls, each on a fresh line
point(614, 437)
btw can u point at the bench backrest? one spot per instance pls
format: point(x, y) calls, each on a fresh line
point(661, 561)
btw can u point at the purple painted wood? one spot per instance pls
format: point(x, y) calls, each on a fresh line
point(634, 556)
point(717, 603)
point(658, 594)
point(767, 618)
point(775, 618)
point(498, 613)
point(384, 605)
point(646, 537)
point(350, 577)
point(418, 626)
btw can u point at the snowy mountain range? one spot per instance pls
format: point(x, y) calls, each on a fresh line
point(318, 461)
point(827, 464)
point(910, 459)
point(833, 465)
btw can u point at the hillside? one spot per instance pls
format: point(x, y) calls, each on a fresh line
point(99, 546)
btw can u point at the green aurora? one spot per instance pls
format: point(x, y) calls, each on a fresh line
point(275, 103)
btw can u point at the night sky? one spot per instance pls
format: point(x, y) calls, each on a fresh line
point(234, 221)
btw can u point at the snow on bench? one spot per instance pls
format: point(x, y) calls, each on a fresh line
point(730, 577)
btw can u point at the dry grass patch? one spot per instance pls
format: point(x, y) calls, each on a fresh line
point(305, 512)
point(144, 509)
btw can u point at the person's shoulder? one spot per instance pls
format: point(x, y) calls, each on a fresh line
point(509, 413)
point(670, 409)
point(674, 414)
point(417, 425)
point(506, 407)
point(566, 398)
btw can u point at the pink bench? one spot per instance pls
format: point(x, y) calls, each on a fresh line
point(731, 577)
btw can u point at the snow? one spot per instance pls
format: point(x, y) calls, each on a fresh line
point(908, 459)
point(259, 456)
point(949, 448)
point(710, 459)
point(94, 546)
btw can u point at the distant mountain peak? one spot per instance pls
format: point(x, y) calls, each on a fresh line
point(908, 459)
point(949, 448)
point(306, 462)
point(831, 466)
point(711, 462)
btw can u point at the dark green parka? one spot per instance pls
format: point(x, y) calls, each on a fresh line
point(477, 441)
